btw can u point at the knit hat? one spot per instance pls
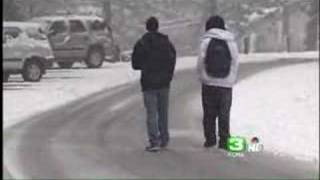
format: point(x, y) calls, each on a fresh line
point(215, 22)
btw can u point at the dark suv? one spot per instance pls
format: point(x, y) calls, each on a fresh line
point(77, 38)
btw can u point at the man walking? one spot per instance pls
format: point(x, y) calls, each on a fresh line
point(155, 56)
point(217, 68)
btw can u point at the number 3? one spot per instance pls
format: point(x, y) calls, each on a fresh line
point(236, 144)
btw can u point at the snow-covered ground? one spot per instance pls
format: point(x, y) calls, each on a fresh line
point(269, 111)
point(24, 99)
point(61, 86)
point(280, 107)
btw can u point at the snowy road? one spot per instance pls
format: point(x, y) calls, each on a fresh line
point(103, 136)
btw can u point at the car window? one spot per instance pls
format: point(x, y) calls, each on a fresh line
point(58, 27)
point(76, 26)
point(12, 32)
point(35, 33)
point(97, 25)
point(44, 25)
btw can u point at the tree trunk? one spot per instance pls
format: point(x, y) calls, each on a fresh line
point(108, 20)
point(31, 9)
point(286, 26)
point(107, 11)
point(246, 43)
point(312, 30)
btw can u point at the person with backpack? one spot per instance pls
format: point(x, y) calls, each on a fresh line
point(155, 56)
point(217, 68)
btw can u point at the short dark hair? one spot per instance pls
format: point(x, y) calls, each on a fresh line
point(215, 22)
point(152, 24)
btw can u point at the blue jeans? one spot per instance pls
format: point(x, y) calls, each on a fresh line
point(156, 103)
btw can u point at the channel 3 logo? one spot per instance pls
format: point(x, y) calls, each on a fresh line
point(240, 145)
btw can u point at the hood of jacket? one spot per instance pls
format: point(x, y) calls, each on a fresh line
point(219, 34)
point(153, 35)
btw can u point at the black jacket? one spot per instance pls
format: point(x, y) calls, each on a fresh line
point(155, 56)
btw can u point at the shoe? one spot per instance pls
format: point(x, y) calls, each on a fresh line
point(152, 148)
point(222, 146)
point(163, 145)
point(209, 144)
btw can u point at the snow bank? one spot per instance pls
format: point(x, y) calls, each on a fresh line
point(280, 107)
point(187, 62)
point(266, 57)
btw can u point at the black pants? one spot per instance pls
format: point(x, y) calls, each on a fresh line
point(216, 102)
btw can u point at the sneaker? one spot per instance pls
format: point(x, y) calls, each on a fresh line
point(209, 144)
point(152, 148)
point(163, 145)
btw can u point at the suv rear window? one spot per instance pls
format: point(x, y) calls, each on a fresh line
point(36, 33)
point(97, 25)
point(76, 26)
point(59, 27)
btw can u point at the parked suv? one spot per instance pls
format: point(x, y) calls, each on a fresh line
point(26, 50)
point(77, 38)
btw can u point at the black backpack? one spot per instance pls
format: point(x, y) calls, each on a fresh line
point(218, 59)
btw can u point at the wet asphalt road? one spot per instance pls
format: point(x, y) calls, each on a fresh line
point(103, 136)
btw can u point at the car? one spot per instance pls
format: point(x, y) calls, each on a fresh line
point(77, 38)
point(26, 51)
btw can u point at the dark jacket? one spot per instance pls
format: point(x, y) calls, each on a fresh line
point(155, 56)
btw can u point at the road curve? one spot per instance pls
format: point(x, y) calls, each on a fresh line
point(103, 136)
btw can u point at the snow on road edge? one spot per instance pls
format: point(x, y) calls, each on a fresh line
point(281, 107)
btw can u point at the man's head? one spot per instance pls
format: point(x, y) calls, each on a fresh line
point(215, 22)
point(152, 24)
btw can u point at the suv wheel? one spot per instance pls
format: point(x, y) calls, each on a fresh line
point(5, 77)
point(95, 58)
point(65, 65)
point(32, 71)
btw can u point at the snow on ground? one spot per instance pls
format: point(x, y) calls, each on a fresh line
point(60, 86)
point(280, 107)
